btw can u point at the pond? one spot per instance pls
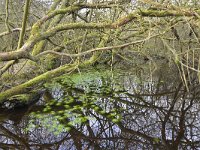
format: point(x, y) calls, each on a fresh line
point(109, 109)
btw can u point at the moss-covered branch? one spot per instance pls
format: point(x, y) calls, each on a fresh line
point(167, 13)
point(120, 22)
point(69, 9)
point(15, 55)
point(95, 49)
point(7, 15)
point(39, 80)
point(24, 23)
point(25, 50)
point(21, 37)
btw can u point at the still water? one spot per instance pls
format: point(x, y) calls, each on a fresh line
point(109, 110)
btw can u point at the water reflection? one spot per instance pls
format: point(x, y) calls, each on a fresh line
point(117, 111)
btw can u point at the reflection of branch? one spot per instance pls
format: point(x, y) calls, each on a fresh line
point(9, 146)
point(181, 131)
point(167, 116)
point(12, 135)
point(127, 130)
point(137, 133)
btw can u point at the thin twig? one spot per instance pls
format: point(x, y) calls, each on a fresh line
point(95, 49)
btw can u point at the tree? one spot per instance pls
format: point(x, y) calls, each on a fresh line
point(51, 36)
point(44, 42)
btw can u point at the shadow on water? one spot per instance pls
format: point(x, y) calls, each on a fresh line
point(109, 110)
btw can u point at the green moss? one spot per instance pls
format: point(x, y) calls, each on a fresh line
point(23, 88)
point(7, 76)
point(35, 29)
point(23, 98)
point(162, 13)
point(38, 47)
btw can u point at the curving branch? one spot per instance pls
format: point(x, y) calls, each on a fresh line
point(35, 38)
point(23, 88)
point(69, 9)
point(96, 49)
point(12, 31)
